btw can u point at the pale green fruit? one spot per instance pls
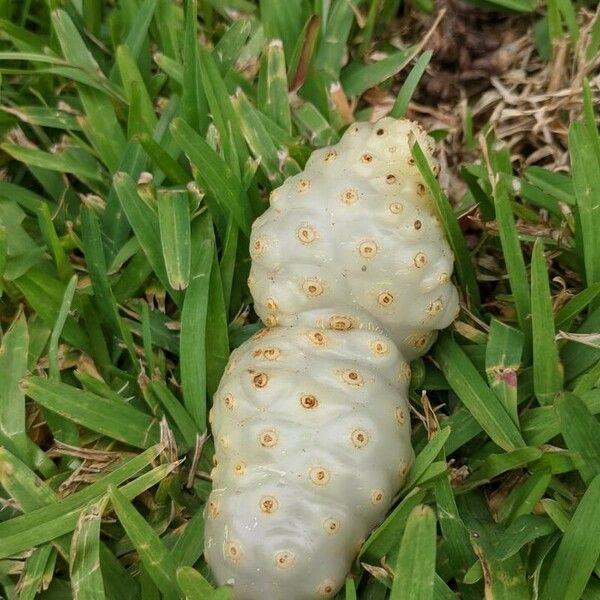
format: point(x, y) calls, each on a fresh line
point(357, 234)
point(312, 437)
point(351, 274)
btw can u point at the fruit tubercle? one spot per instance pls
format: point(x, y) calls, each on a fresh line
point(351, 275)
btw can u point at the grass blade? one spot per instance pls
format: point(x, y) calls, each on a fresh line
point(464, 266)
point(175, 235)
point(578, 551)
point(84, 565)
point(118, 421)
point(480, 401)
point(415, 566)
point(153, 553)
point(547, 370)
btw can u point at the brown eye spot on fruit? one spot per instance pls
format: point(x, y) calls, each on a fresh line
point(308, 401)
point(330, 155)
point(307, 234)
point(260, 380)
point(385, 299)
point(411, 161)
point(366, 157)
point(378, 347)
point(380, 131)
point(340, 322)
point(319, 476)
point(396, 208)
point(233, 551)
point(317, 338)
point(368, 249)
point(213, 509)
point(326, 589)
point(268, 505)
point(349, 196)
point(228, 401)
point(434, 308)
point(421, 189)
point(418, 341)
point(352, 377)
point(390, 179)
point(418, 224)
point(268, 439)
point(443, 278)
point(377, 496)
point(331, 526)
point(303, 185)
point(271, 304)
point(400, 415)
point(420, 260)
point(270, 320)
point(359, 438)
point(239, 468)
point(312, 287)
point(402, 469)
point(284, 559)
point(271, 353)
point(405, 373)
point(258, 247)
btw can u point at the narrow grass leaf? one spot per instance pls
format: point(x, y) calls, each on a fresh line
point(31, 583)
point(502, 361)
point(231, 43)
point(213, 173)
point(586, 184)
point(547, 370)
point(513, 258)
point(581, 432)
point(578, 551)
point(273, 86)
point(61, 318)
point(193, 584)
point(456, 536)
point(258, 139)
point(477, 397)
point(427, 456)
point(303, 53)
point(410, 85)
point(144, 223)
point(46, 517)
point(176, 411)
point(13, 367)
point(118, 421)
point(164, 161)
point(62, 163)
point(388, 534)
point(84, 564)
point(175, 235)
point(415, 565)
point(192, 345)
point(464, 266)
point(63, 266)
point(332, 46)
point(358, 77)
point(101, 123)
point(153, 553)
point(194, 107)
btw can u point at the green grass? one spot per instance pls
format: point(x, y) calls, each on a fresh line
point(138, 143)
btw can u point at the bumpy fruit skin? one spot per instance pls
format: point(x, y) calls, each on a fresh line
point(351, 275)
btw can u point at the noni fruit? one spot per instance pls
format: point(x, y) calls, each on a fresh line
point(351, 275)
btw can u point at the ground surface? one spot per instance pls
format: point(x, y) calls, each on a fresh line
point(108, 322)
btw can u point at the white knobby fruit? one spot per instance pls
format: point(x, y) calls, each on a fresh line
point(351, 275)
